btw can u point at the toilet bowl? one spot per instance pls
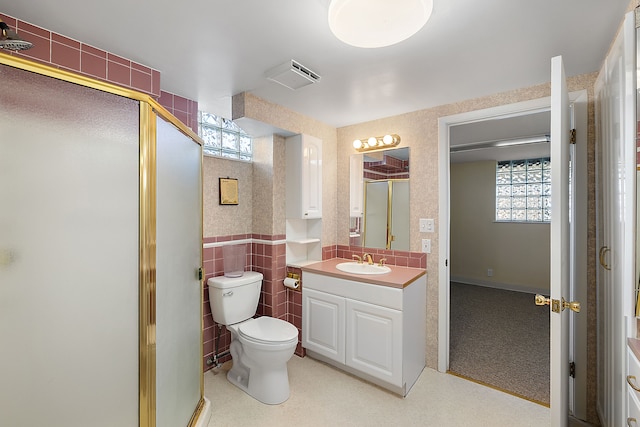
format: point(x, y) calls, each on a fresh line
point(260, 347)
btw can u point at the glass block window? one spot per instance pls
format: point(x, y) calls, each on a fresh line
point(523, 190)
point(223, 138)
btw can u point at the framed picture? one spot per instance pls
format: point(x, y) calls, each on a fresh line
point(228, 191)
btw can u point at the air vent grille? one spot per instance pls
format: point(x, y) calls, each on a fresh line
point(293, 75)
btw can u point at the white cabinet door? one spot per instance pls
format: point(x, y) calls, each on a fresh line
point(311, 177)
point(304, 177)
point(356, 185)
point(323, 324)
point(374, 341)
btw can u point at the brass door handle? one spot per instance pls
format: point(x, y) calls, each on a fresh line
point(631, 420)
point(572, 305)
point(541, 300)
point(558, 305)
point(603, 253)
point(633, 386)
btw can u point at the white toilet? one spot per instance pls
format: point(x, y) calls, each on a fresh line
point(260, 347)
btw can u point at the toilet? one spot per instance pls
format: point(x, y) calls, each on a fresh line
point(260, 347)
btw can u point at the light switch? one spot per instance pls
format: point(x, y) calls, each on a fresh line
point(426, 246)
point(427, 225)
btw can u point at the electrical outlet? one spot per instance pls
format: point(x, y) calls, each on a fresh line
point(490, 272)
point(426, 246)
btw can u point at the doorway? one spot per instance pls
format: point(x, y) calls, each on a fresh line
point(522, 109)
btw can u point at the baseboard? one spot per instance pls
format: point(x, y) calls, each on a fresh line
point(503, 286)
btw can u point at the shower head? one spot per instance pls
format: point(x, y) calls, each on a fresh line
point(10, 40)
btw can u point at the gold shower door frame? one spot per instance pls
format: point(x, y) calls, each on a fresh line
point(389, 230)
point(150, 109)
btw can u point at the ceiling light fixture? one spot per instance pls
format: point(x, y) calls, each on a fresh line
point(376, 142)
point(377, 23)
point(500, 143)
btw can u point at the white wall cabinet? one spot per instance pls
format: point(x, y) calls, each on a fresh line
point(304, 177)
point(356, 185)
point(303, 200)
point(372, 331)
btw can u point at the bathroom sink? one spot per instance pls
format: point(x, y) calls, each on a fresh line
point(356, 268)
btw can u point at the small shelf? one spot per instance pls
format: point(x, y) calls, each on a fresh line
point(304, 241)
point(301, 263)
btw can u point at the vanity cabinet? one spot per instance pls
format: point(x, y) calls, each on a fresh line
point(374, 340)
point(633, 387)
point(373, 331)
point(323, 323)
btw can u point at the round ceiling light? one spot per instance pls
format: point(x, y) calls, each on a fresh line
point(377, 23)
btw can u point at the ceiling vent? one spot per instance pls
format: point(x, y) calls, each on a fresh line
point(293, 75)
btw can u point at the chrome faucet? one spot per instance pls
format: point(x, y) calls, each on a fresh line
point(354, 256)
point(367, 257)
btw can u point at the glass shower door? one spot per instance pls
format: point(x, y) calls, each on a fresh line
point(68, 254)
point(178, 288)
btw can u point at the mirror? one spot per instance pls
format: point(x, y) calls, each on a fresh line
point(379, 199)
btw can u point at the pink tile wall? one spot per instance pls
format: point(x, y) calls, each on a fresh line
point(399, 258)
point(275, 300)
point(71, 55)
point(184, 109)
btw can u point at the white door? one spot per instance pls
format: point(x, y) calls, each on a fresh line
point(559, 280)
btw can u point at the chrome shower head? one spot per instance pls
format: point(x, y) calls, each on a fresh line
point(10, 40)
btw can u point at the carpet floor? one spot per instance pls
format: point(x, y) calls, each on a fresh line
point(501, 339)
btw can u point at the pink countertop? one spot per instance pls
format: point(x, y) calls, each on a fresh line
point(398, 277)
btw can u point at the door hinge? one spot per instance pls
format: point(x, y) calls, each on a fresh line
point(572, 369)
point(446, 263)
point(572, 136)
point(200, 273)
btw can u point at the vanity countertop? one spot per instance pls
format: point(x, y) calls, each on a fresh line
point(398, 277)
point(634, 345)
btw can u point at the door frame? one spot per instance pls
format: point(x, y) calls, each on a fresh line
point(579, 101)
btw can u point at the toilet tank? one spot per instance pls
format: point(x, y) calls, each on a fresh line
point(234, 299)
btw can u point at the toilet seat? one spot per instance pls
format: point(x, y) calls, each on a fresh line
point(268, 330)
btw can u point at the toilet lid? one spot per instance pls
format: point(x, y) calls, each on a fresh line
point(268, 329)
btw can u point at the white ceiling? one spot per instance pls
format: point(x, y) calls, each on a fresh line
point(209, 50)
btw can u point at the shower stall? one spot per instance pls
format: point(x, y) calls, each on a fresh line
point(100, 255)
point(386, 214)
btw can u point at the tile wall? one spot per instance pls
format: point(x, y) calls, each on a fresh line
point(266, 254)
point(71, 55)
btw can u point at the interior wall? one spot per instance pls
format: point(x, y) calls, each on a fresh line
point(246, 105)
point(419, 131)
point(517, 253)
point(223, 220)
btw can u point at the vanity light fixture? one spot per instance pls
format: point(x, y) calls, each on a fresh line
point(377, 23)
point(376, 142)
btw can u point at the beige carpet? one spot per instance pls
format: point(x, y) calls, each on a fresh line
point(500, 338)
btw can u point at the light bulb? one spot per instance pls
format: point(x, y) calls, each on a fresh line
point(387, 139)
point(357, 144)
point(372, 142)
